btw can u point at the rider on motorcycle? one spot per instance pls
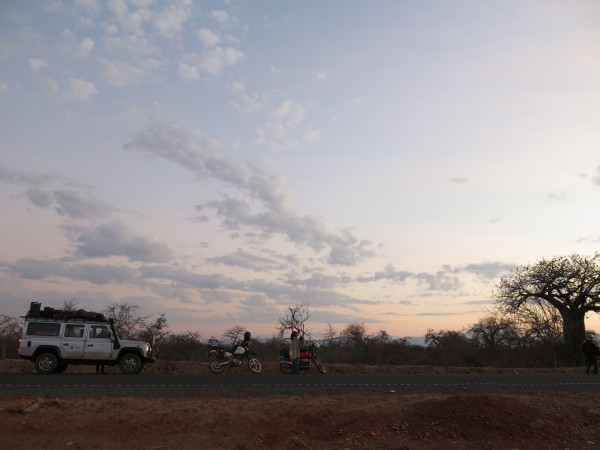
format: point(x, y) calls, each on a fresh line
point(247, 337)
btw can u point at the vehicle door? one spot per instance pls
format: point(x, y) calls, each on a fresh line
point(72, 343)
point(99, 344)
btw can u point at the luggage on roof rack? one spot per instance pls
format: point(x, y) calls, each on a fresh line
point(35, 310)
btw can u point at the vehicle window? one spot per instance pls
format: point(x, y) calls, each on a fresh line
point(75, 331)
point(99, 331)
point(43, 329)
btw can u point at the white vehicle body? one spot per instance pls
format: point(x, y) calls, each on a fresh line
point(53, 341)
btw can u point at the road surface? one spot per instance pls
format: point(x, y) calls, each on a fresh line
point(279, 384)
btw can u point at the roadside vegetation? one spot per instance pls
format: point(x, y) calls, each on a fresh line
point(538, 320)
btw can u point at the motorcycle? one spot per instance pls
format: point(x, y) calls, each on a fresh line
point(221, 359)
point(308, 357)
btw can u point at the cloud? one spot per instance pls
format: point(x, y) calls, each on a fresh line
point(260, 203)
point(77, 89)
point(129, 21)
point(79, 205)
point(86, 46)
point(490, 270)
point(119, 73)
point(188, 72)
point(276, 136)
point(243, 101)
point(212, 61)
point(37, 64)
point(26, 179)
point(93, 273)
point(81, 90)
point(170, 20)
point(182, 278)
point(115, 239)
point(223, 17)
point(247, 260)
point(70, 203)
point(208, 38)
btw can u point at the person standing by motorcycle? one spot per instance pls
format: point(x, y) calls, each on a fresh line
point(295, 353)
point(590, 352)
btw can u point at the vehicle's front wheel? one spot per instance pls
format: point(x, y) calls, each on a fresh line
point(320, 366)
point(131, 363)
point(254, 365)
point(46, 363)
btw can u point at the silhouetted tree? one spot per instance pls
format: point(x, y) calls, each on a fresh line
point(295, 319)
point(571, 285)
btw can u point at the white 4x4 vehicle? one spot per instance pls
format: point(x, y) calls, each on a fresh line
point(52, 339)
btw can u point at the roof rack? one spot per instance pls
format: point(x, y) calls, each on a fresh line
point(36, 312)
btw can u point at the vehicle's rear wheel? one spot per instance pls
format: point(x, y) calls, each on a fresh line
point(285, 367)
point(217, 366)
point(46, 363)
point(130, 363)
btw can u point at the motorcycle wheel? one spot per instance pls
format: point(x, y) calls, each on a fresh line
point(216, 367)
point(254, 365)
point(285, 368)
point(320, 366)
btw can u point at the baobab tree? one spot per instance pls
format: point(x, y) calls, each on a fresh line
point(571, 285)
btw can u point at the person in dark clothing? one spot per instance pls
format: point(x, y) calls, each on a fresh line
point(99, 368)
point(590, 352)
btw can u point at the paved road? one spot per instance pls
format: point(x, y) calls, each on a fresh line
point(279, 384)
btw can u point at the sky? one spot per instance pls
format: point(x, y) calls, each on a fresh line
point(384, 163)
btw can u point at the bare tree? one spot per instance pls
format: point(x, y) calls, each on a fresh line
point(295, 319)
point(155, 331)
point(491, 332)
point(355, 332)
point(330, 334)
point(126, 319)
point(70, 306)
point(234, 333)
point(570, 285)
